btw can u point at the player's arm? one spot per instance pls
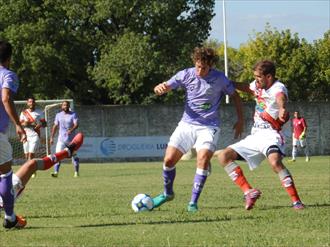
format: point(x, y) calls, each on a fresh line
point(162, 88)
point(74, 127)
point(52, 133)
point(239, 125)
point(8, 103)
point(281, 101)
point(303, 134)
point(243, 86)
point(41, 123)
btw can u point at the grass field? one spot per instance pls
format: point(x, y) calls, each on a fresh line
point(94, 210)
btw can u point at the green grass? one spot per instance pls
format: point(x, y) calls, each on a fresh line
point(94, 210)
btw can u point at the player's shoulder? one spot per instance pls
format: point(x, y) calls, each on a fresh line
point(9, 78)
point(279, 87)
point(188, 71)
point(217, 75)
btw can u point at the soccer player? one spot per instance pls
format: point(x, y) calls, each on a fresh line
point(266, 139)
point(199, 126)
point(8, 86)
point(25, 172)
point(299, 136)
point(67, 122)
point(32, 120)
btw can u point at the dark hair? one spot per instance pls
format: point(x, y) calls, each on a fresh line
point(5, 51)
point(265, 67)
point(66, 101)
point(31, 97)
point(204, 55)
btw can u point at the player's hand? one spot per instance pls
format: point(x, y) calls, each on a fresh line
point(302, 136)
point(283, 115)
point(238, 127)
point(51, 141)
point(21, 133)
point(161, 88)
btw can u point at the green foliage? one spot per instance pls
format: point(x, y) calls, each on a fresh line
point(115, 52)
point(101, 51)
point(294, 59)
point(95, 210)
point(303, 67)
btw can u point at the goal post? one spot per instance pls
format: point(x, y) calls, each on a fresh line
point(49, 108)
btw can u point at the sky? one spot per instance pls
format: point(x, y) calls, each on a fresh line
point(309, 18)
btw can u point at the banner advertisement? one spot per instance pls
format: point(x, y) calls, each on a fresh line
point(123, 147)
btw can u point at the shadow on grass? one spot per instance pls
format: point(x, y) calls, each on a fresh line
point(175, 221)
point(307, 206)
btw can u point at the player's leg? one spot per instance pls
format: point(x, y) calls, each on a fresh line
point(11, 219)
point(26, 149)
point(202, 172)
point(75, 162)
point(206, 143)
point(294, 149)
point(304, 146)
point(227, 158)
point(274, 156)
point(172, 156)
point(59, 146)
point(33, 147)
point(180, 142)
point(24, 173)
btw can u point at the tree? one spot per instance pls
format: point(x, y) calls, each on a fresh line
point(102, 51)
point(321, 72)
point(294, 59)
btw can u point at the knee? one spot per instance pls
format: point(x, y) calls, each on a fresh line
point(169, 161)
point(226, 156)
point(276, 165)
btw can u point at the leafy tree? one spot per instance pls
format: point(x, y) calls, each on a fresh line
point(102, 51)
point(294, 59)
point(321, 72)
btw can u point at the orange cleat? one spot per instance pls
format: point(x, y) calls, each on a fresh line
point(19, 223)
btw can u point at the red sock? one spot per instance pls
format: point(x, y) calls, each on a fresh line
point(52, 159)
point(238, 177)
point(288, 184)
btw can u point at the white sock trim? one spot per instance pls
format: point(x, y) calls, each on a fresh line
point(284, 173)
point(17, 182)
point(165, 168)
point(6, 174)
point(11, 218)
point(202, 172)
point(230, 167)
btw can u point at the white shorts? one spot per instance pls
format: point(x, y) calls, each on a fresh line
point(6, 151)
point(60, 146)
point(254, 147)
point(186, 136)
point(31, 145)
point(297, 142)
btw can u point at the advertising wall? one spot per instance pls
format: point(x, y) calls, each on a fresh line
point(123, 147)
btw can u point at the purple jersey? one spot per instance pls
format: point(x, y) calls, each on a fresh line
point(203, 95)
point(65, 121)
point(8, 79)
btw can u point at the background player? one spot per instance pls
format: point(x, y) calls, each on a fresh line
point(266, 139)
point(199, 126)
point(8, 86)
point(67, 122)
point(32, 120)
point(299, 129)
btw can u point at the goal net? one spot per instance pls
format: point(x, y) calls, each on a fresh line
point(50, 108)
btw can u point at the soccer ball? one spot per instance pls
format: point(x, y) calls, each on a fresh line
point(142, 202)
